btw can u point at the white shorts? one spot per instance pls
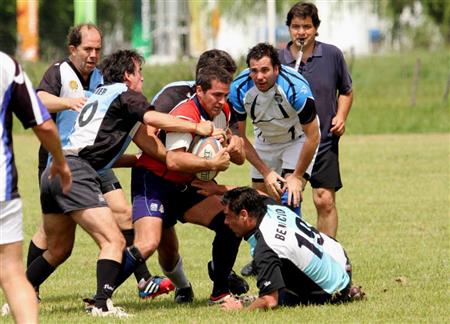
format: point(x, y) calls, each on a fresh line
point(280, 156)
point(11, 221)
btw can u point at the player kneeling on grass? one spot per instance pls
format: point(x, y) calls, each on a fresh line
point(295, 263)
point(162, 192)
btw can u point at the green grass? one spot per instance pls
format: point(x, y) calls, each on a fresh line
point(383, 87)
point(394, 212)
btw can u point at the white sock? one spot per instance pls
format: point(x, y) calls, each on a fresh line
point(177, 275)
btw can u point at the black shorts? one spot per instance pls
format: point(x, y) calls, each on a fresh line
point(325, 173)
point(85, 191)
point(108, 181)
point(43, 159)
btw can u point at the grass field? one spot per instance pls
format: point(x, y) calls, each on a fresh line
point(394, 224)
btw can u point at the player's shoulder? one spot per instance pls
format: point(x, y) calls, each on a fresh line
point(10, 67)
point(56, 65)
point(187, 110)
point(177, 87)
point(97, 75)
point(242, 83)
point(128, 96)
point(227, 109)
point(242, 78)
point(330, 49)
point(172, 94)
point(289, 77)
point(56, 69)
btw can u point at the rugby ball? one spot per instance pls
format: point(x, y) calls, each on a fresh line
point(207, 148)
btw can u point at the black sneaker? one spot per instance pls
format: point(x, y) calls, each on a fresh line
point(249, 270)
point(184, 295)
point(236, 284)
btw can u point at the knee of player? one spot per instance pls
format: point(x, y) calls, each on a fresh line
point(114, 242)
point(326, 205)
point(122, 214)
point(147, 247)
point(59, 254)
point(324, 199)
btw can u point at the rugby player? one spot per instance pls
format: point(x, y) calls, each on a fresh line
point(17, 96)
point(64, 89)
point(164, 101)
point(296, 264)
point(162, 193)
point(286, 128)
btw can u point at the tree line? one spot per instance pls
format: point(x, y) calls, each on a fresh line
point(56, 17)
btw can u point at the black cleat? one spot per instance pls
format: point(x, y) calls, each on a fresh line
point(184, 295)
point(236, 284)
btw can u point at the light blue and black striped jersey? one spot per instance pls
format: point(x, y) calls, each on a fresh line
point(290, 253)
point(63, 80)
point(106, 125)
point(16, 95)
point(274, 113)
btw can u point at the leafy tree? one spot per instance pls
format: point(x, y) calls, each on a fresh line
point(8, 30)
point(238, 8)
point(115, 16)
point(55, 19)
point(439, 12)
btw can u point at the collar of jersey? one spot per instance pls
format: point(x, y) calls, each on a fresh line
point(251, 236)
point(201, 109)
point(317, 51)
point(86, 83)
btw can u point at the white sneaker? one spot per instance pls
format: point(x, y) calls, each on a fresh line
point(6, 310)
point(112, 311)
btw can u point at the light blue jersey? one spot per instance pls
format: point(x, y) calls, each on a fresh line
point(66, 119)
point(274, 113)
point(62, 80)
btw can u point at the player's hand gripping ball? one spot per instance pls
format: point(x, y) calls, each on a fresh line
point(207, 148)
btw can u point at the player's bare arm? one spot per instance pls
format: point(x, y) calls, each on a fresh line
point(182, 161)
point(55, 104)
point(48, 135)
point(236, 149)
point(209, 188)
point(146, 139)
point(343, 109)
point(174, 124)
point(271, 178)
point(265, 302)
point(126, 161)
point(294, 181)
